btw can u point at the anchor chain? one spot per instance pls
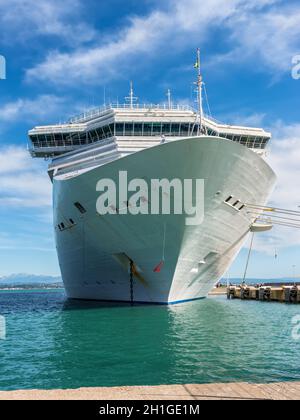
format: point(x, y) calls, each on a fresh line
point(131, 281)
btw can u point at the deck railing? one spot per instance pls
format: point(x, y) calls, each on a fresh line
point(155, 107)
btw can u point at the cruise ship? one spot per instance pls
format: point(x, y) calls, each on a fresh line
point(151, 258)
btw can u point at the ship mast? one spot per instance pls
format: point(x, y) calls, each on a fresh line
point(169, 98)
point(199, 84)
point(131, 98)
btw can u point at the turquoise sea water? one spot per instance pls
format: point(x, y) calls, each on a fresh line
point(54, 343)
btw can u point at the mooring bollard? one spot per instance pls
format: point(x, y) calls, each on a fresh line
point(231, 293)
point(245, 293)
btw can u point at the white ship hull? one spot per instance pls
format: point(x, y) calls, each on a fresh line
point(90, 250)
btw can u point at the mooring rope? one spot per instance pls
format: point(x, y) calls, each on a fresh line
point(248, 259)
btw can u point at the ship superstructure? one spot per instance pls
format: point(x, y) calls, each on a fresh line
point(136, 126)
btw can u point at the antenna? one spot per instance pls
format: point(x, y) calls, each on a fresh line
point(169, 98)
point(104, 95)
point(131, 98)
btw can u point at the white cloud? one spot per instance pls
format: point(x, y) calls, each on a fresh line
point(284, 158)
point(20, 241)
point(42, 109)
point(270, 38)
point(184, 23)
point(252, 120)
point(23, 181)
point(24, 19)
point(13, 159)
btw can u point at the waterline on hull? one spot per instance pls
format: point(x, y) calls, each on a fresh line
point(140, 302)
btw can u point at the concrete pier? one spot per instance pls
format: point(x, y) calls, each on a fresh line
point(230, 391)
point(286, 294)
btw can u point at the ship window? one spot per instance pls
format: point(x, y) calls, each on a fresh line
point(68, 141)
point(92, 135)
point(65, 138)
point(40, 141)
point(106, 131)
point(257, 143)
point(138, 129)
point(184, 130)
point(111, 129)
point(80, 207)
point(175, 129)
point(119, 129)
point(128, 129)
point(250, 141)
point(58, 139)
point(82, 138)
point(166, 128)
point(156, 129)
point(265, 142)
point(49, 140)
point(147, 129)
point(34, 140)
point(97, 134)
point(76, 139)
point(101, 133)
point(194, 129)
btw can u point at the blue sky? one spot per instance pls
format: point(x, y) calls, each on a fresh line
point(61, 55)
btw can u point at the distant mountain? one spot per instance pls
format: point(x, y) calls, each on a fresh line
point(25, 279)
point(31, 281)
